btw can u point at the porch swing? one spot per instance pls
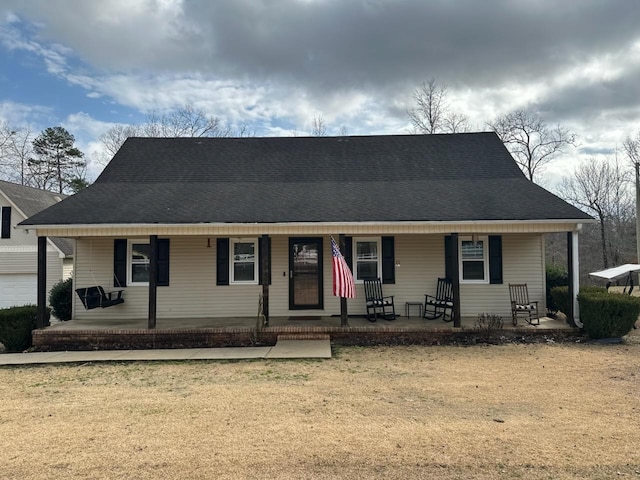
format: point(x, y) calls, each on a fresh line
point(96, 296)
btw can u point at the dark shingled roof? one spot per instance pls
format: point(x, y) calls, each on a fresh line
point(33, 200)
point(454, 177)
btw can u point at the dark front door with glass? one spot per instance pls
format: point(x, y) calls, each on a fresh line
point(305, 273)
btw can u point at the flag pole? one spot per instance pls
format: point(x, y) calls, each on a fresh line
point(344, 316)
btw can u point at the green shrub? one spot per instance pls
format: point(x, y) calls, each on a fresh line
point(61, 299)
point(557, 276)
point(16, 324)
point(607, 315)
point(592, 289)
point(560, 297)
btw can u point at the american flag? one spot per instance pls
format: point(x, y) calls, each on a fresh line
point(343, 285)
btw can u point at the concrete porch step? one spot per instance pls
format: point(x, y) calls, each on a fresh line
point(308, 345)
point(304, 336)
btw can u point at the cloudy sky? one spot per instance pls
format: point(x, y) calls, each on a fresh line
point(274, 65)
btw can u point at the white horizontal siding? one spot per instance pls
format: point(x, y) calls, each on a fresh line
point(24, 259)
point(54, 269)
point(94, 266)
point(26, 263)
point(67, 268)
point(522, 262)
point(193, 291)
point(18, 236)
point(419, 262)
point(18, 262)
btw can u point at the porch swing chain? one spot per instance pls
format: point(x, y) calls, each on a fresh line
point(86, 290)
point(91, 261)
point(95, 282)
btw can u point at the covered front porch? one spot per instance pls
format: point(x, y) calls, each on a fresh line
point(116, 333)
point(191, 277)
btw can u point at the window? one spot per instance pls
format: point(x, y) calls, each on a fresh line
point(138, 262)
point(474, 263)
point(244, 263)
point(367, 258)
point(6, 222)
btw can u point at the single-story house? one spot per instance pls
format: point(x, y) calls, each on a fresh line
point(19, 247)
point(200, 227)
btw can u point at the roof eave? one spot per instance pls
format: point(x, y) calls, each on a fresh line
point(465, 226)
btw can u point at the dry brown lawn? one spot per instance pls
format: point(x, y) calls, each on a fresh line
point(545, 411)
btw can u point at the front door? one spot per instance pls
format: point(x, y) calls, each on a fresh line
point(305, 273)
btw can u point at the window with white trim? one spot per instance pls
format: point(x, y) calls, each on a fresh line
point(244, 260)
point(367, 258)
point(138, 261)
point(474, 259)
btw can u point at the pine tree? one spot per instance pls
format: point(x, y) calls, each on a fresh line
point(57, 159)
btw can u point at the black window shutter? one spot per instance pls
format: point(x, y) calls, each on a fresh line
point(388, 260)
point(120, 262)
point(222, 261)
point(348, 252)
point(448, 256)
point(6, 222)
point(260, 255)
point(495, 259)
point(163, 263)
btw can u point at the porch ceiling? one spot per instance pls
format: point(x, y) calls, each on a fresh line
point(362, 228)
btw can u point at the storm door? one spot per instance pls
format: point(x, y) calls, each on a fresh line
point(305, 273)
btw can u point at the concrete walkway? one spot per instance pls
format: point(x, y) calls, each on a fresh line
point(282, 349)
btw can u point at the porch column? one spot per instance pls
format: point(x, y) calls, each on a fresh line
point(153, 279)
point(41, 312)
point(573, 267)
point(344, 316)
point(265, 274)
point(455, 279)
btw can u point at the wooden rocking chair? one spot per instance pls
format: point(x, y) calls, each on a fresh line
point(377, 304)
point(520, 304)
point(437, 306)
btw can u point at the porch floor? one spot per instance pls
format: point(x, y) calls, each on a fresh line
point(401, 322)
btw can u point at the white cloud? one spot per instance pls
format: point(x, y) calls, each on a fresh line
point(277, 65)
point(21, 114)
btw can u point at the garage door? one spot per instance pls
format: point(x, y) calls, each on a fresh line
point(18, 289)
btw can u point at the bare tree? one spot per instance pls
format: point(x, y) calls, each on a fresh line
point(15, 151)
point(318, 126)
point(601, 186)
point(456, 123)
point(631, 147)
point(186, 121)
point(113, 138)
point(22, 151)
point(531, 142)
point(7, 132)
point(432, 113)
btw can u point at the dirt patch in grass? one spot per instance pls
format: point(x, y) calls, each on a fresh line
point(512, 411)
